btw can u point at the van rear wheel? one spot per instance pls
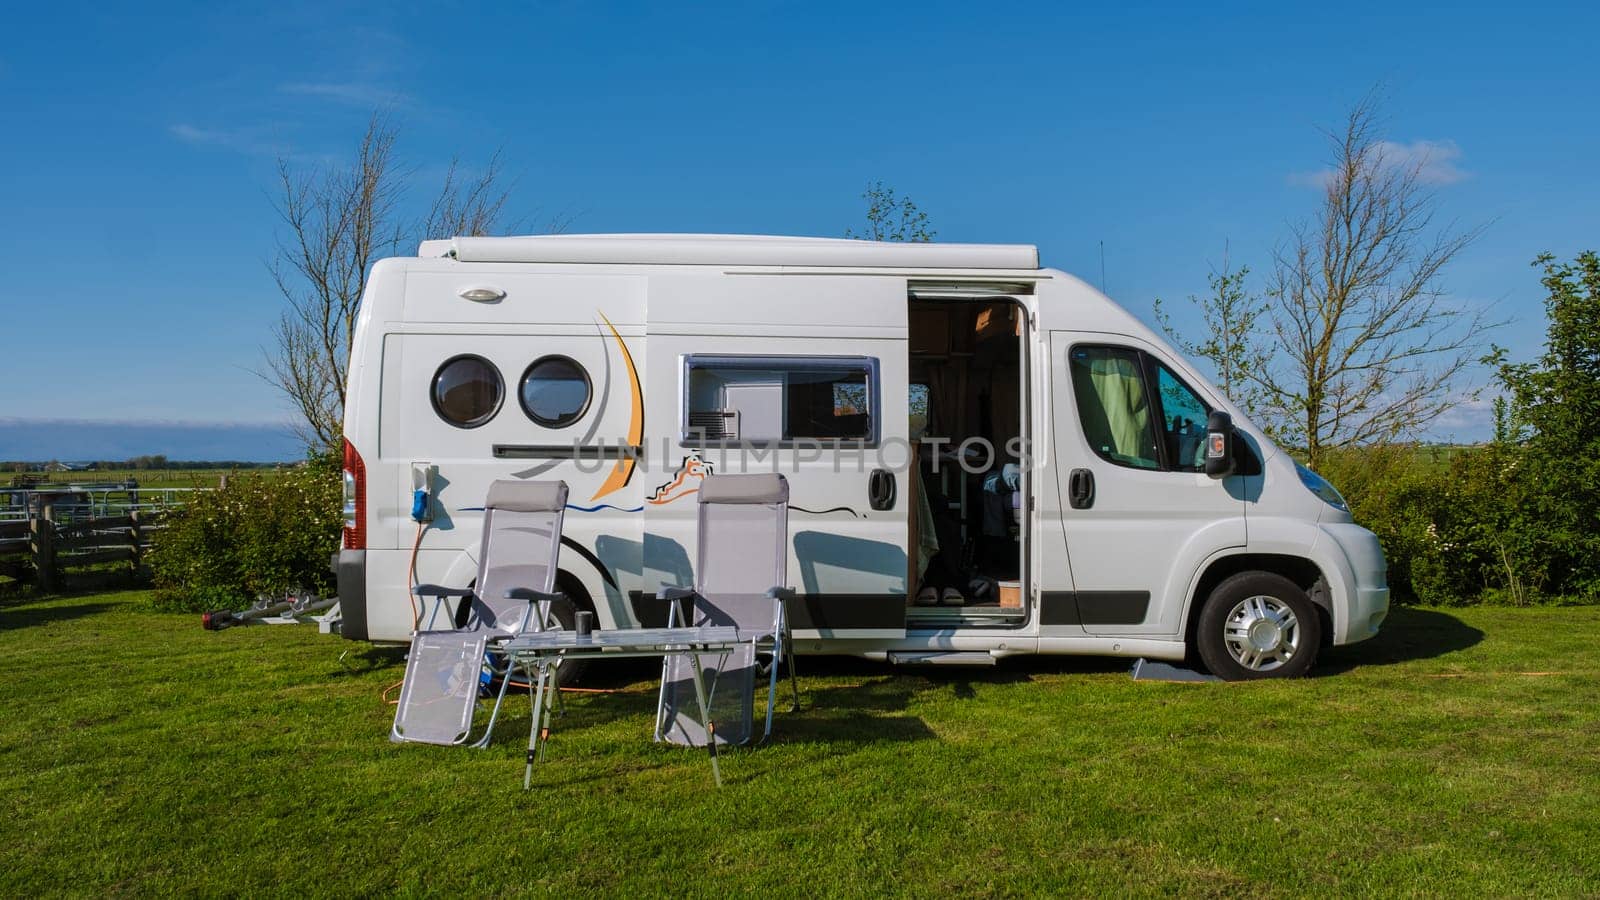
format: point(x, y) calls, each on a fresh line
point(1258, 625)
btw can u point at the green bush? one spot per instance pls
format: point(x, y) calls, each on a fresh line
point(1464, 526)
point(1391, 490)
point(1516, 520)
point(261, 534)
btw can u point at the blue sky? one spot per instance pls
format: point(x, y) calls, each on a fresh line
point(139, 142)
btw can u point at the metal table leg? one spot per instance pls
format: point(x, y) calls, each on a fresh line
point(555, 698)
point(788, 656)
point(533, 728)
point(705, 714)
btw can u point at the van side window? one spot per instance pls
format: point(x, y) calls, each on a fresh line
point(467, 391)
point(555, 391)
point(772, 399)
point(1183, 421)
point(1114, 407)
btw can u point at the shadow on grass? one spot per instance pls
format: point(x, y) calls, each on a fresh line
point(869, 707)
point(548, 773)
point(30, 615)
point(98, 579)
point(865, 713)
point(868, 713)
point(1408, 634)
point(364, 658)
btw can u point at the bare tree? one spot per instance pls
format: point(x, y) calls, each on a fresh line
point(1355, 342)
point(1372, 348)
point(340, 220)
point(467, 205)
point(891, 217)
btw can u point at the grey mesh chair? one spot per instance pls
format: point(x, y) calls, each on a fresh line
point(513, 594)
point(743, 561)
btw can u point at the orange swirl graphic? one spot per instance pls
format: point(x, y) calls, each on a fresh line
point(623, 472)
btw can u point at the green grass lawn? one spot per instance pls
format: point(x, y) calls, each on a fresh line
point(140, 754)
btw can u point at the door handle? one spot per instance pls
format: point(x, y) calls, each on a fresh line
point(1080, 488)
point(881, 489)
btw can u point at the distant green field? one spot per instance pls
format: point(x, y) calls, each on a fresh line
point(151, 478)
point(1426, 454)
point(1438, 455)
point(1456, 754)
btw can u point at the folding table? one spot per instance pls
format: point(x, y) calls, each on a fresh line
point(545, 650)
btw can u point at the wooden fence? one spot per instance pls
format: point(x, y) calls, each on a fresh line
point(61, 534)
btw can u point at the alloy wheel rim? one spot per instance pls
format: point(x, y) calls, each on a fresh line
point(1261, 633)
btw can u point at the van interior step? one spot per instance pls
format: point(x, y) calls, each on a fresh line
point(942, 658)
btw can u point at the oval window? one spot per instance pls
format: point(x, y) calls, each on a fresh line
point(467, 391)
point(555, 391)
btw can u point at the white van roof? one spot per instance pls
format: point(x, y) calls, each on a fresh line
point(731, 250)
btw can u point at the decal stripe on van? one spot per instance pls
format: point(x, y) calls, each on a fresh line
point(842, 611)
point(1093, 607)
point(623, 473)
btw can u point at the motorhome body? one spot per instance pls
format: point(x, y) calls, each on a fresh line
point(985, 457)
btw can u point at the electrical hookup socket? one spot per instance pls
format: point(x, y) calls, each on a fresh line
point(424, 476)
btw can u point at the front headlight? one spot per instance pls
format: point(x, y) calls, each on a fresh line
point(1318, 485)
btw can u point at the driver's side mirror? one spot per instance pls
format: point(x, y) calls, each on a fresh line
point(1219, 444)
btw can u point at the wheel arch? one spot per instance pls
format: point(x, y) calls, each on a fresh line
point(1303, 571)
point(465, 571)
point(570, 584)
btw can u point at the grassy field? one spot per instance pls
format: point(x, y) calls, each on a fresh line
point(1458, 753)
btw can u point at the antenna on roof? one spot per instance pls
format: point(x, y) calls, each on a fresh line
point(1103, 289)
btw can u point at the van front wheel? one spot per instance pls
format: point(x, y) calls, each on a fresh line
point(1258, 625)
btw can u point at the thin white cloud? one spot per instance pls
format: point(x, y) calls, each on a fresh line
point(241, 140)
point(189, 134)
point(1469, 421)
point(1435, 162)
point(353, 93)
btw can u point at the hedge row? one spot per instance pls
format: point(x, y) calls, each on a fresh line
point(260, 534)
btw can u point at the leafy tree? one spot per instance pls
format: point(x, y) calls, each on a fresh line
point(891, 217)
point(1232, 319)
point(1554, 412)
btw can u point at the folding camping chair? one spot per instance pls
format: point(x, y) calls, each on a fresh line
point(516, 572)
point(743, 564)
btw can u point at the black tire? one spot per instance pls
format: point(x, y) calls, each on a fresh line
point(1276, 593)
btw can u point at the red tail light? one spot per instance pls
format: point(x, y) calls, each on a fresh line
point(355, 499)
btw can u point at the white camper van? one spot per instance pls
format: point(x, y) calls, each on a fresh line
point(985, 457)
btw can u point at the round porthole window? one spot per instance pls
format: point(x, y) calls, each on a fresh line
point(467, 391)
point(555, 391)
